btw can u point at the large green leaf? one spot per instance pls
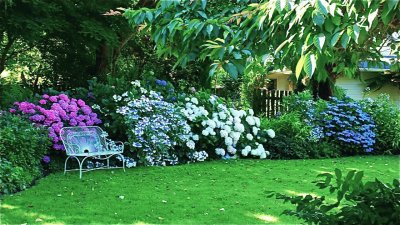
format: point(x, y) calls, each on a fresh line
point(231, 70)
point(318, 18)
point(322, 5)
point(335, 38)
point(280, 5)
point(356, 32)
point(345, 40)
point(209, 29)
point(299, 66)
point(214, 67)
point(337, 20)
point(371, 17)
point(309, 64)
point(319, 41)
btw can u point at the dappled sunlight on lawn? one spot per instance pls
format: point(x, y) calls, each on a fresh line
point(6, 206)
point(299, 193)
point(140, 223)
point(266, 218)
point(352, 168)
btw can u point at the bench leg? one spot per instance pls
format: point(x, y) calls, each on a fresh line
point(80, 166)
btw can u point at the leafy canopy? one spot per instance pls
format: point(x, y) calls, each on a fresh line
point(316, 38)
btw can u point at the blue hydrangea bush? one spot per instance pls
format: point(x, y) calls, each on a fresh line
point(343, 122)
point(349, 124)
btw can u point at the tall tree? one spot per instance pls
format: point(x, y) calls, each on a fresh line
point(74, 38)
point(317, 39)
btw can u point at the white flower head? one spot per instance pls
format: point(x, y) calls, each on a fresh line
point(255, 152)
point(187, 99)
point(251, 112)
point(222, 115)
point(263, 155)
point(228, 141)
point(231, 150)
point(211, 123)
point(227, 128)
point(223, 133)
point(220, 151)
point(245, 152)
point(239, 127)
point(205, 132)
point(255, 130)
point(195, 137)
point(257, 121)
point(194, 100)
point(250, 120)
point(190, 144)
point(249, 137)
point(271, 133)
point(136, 83)
point(242, 113)
point(237, 120)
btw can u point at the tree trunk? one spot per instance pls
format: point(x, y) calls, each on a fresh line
point(101, 59)
point(204, 78)
point(3, 57)
point(325, 89)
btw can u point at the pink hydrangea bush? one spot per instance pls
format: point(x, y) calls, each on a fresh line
point(57, 111)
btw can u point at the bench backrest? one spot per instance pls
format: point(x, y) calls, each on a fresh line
point(87, 139)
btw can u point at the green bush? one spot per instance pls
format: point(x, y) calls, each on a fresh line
point(11, 92)
point(356, 202)
point(387, 123)
point(293, 139)
point(13, 178)
point(22, 145)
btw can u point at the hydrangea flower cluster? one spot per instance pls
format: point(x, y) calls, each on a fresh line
point(158, 132)
point(57, 111)
point(346, 122)
point(230, 131)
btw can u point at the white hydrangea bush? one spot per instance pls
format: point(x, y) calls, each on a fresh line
point(227, 131)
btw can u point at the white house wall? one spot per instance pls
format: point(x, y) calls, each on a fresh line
point(355, 88)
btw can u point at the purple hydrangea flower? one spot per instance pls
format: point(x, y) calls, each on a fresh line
point(46, 159)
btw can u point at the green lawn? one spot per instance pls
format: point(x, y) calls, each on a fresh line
point(210, 192)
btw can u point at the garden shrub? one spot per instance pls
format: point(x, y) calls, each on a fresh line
point(13, 178)
point(295, 139)
point(11, 92)
point(387, 123)
point(223, 130)
point(215, 128)
point(157, 131)
point(345, 123)
point(22, 149)
point(55, 112)
point(356, 202)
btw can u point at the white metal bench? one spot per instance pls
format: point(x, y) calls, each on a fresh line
point(86, 142)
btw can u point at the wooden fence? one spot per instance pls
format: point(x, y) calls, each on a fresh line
point(269, 102)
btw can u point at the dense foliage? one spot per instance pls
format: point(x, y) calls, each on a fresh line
point(22, 149)
point(387, 123)
point(320, 39)
point(356, 203)
point(295, 140)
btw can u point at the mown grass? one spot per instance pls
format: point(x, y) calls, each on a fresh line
point(204, 193)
